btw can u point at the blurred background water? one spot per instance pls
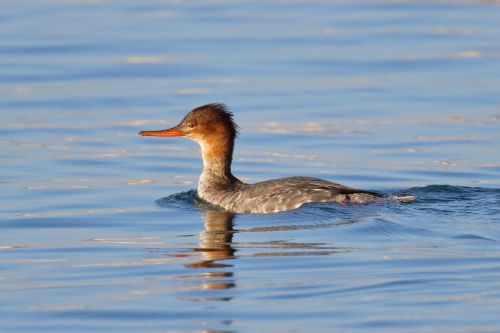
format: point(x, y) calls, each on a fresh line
point(100, 229)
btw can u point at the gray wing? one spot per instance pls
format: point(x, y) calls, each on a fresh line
point(304, 186)
point(292, 192)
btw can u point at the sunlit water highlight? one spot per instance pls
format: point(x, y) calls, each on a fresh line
point(101, 230)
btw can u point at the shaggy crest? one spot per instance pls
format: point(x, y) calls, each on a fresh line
point(213, 113)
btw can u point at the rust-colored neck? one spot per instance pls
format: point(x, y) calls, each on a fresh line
point(217, 154)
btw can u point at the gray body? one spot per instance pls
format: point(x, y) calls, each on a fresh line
point(276, 195)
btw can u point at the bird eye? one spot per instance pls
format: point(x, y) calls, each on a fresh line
point(190, 124)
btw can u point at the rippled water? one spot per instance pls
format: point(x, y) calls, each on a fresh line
point(100, 229)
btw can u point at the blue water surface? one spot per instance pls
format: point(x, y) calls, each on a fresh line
point(101, 230)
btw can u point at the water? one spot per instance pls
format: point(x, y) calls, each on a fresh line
point(101, 229)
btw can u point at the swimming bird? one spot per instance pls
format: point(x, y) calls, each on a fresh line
point(212, 126)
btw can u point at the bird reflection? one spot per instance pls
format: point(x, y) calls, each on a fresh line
point(213, 269)
point(215, 240)
point(215, 246)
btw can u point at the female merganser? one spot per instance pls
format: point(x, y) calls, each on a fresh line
point(213, 128)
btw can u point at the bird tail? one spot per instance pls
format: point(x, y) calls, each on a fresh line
point(403, 198)
point(362, 196)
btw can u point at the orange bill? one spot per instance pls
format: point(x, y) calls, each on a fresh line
point(174, 131)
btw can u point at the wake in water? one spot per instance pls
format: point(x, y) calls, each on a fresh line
point(438, 200)
point(186, 201)
point(436, 197)
point(439, 212)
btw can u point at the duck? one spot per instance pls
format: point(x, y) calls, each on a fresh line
point(213, 127)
